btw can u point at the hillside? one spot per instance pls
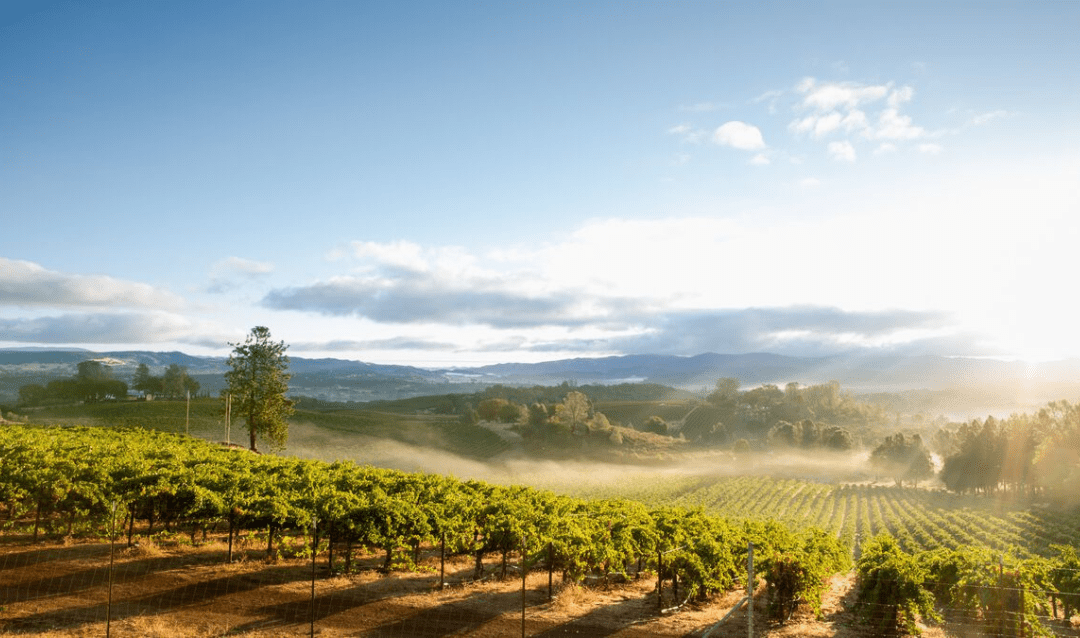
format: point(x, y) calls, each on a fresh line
point(952, 385)
point(222, 546)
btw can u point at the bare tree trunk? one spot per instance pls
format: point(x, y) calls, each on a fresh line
point(442, 561)
point(330, 549)
point(37, 520)
point(269, 541)
point(479, 571)
point(551, 568)
point(232, 519)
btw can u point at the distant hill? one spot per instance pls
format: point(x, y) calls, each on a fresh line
point(347, 380)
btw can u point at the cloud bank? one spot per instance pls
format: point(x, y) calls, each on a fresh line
point(26, 284)
point(109, 328)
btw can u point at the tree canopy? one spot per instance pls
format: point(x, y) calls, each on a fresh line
point(258, 379)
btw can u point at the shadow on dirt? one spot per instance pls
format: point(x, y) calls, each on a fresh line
point(160, 602)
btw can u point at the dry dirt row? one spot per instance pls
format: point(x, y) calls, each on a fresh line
point(62, 590)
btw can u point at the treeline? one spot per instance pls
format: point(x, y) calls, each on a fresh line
point(72, 480)
point(174, 383)
point(1033, 455)
point(95, 381)
point(796, 416)
point(1028, 456)
point(758, 410)
point(458, 404)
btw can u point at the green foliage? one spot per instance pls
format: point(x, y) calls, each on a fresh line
point(69, 478)
point(836, 438)
point(574, 410)
point(1065, 577)
point(92, 383)
point(258, 380)
point(993, 588)
point(892, 591)
point(1029, 455)
point(903, 458)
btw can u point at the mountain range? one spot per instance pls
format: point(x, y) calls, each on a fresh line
point(348, 380)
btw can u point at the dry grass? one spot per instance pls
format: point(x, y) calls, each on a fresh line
point(572, 599)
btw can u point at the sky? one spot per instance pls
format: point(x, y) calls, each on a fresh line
point(460, 183)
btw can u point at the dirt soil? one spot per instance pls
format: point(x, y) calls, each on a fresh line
point(62, 589)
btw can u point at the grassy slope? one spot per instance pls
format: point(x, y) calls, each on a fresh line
point(207, 421)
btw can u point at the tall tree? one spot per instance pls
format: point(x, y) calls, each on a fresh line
point(573, 410)
point(905, 458)
point(258, 380)
point(143, 381)
point(173, 381)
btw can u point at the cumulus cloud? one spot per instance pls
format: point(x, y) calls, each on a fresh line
point(761, 159)
point(145, 327)
point(521, 310)
point(900, 96)
point(819, 126)
point(892, 125)
point(869, 112)
point(405, 283)
point(842, 151)
point(420, 299)
point(740, 135)
point(656, 285)
point(24, 283)
point(930, 149)
point(829, 96)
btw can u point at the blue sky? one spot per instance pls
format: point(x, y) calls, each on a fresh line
point(460, 183)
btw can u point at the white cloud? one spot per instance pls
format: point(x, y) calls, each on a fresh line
point(986, 118)
point(111, 328)
point(761, 159)
point(885, 147)
point(740, 135)
point(244, 266)
point(700, 107)
point(810, 182)
point(406, 255)
point(842, 151)
point(820, 126)
point(900, 96)
point(870, 112)
point(930, 149)
point(830, 96)
point(892, 125)
point(688, 133)
point(24, 283)
point(594, 287)
point(770, 99)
